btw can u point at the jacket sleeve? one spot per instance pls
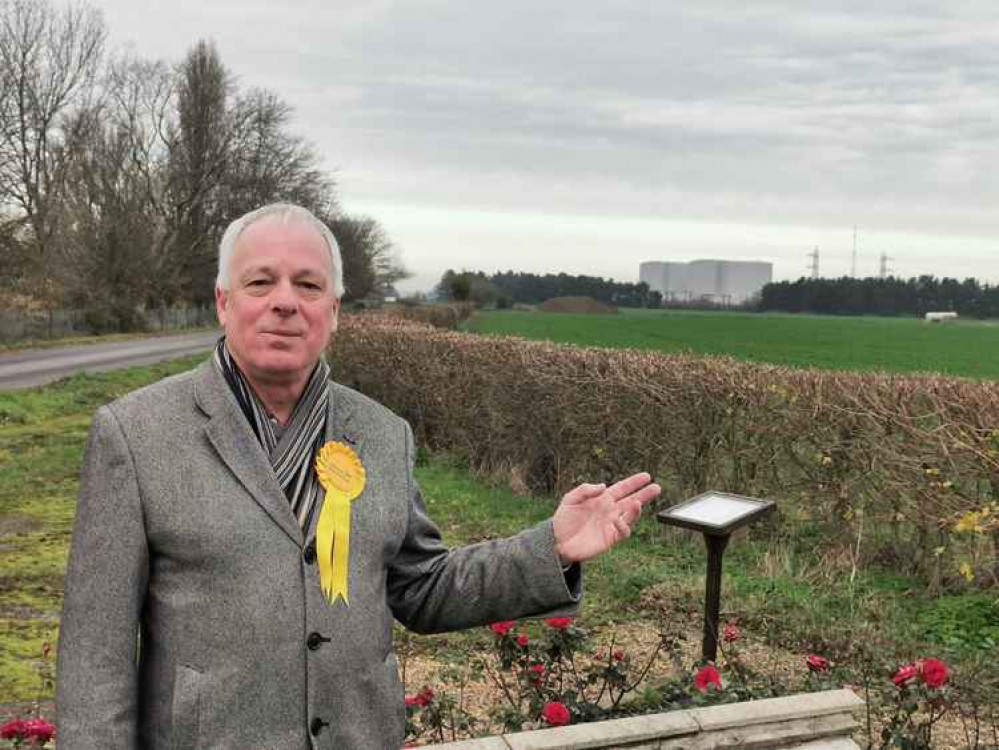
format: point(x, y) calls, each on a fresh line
point(97, 695)
point(433, 589)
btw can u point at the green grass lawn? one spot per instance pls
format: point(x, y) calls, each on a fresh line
point(968, 348)
point(778, 584)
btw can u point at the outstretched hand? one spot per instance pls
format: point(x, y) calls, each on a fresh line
point(592, 518)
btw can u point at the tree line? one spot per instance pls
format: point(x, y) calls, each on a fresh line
point(882, 296)
point(118, 174)
point(509, 287)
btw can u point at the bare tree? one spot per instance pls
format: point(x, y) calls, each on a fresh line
point(370, 262)
point(49, 61)
point(108, 223)
point(269, 163)
point(201, 149)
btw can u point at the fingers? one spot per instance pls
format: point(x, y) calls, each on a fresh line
point(630, 508)
point(647, 494)
point(584, 492)
point(632, 484)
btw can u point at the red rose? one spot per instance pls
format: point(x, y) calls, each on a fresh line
point(905, 675)
point(934, 673)
point(618, 655)
point(731, 633)
point(559, 623)
point(502, 628)
point(555, 714)
point(421, 699)
point(523, 640)
point(13, 730)
point(706, 677)
point(38, 731)
point(817, 663)
point(537, 671)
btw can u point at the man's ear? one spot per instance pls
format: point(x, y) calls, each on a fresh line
point(221, 303)
point(336, 314)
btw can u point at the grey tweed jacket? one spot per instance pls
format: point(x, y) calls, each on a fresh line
point(193, 616)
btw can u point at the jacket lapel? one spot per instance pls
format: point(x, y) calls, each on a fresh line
point(239, 449)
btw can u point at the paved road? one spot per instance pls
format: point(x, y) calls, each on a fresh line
point(26, 369)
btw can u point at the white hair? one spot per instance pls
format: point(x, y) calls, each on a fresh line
point(284, 213)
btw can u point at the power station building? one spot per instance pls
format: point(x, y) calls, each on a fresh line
point(722, 282)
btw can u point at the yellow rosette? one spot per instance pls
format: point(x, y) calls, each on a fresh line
point(342, 476)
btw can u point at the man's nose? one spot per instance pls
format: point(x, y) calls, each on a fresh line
point(283, 299)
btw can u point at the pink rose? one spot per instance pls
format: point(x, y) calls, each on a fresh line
point(731, 633)
point(556, 714)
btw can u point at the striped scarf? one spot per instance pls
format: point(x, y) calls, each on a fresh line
point(293, 453)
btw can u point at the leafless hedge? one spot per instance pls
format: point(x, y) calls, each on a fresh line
point(899, 467)
point(446, 315)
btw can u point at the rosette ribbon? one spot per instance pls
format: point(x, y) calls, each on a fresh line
point(342, 476)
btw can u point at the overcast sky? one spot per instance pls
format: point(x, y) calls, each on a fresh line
point(589, 136)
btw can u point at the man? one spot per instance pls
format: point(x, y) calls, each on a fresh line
point(194, 615)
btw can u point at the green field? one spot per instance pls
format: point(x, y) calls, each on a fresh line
point(892, 344)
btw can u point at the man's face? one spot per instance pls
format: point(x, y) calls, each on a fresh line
point(279, 311)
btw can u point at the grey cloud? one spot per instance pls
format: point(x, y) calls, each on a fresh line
point(879, 112)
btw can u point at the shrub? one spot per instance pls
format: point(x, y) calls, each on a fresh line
point(551, 675)
point(899, 469)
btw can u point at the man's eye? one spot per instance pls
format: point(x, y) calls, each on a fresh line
point(310, 285)
point(257, 282)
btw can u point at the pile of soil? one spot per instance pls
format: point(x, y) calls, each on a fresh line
point(575, 305)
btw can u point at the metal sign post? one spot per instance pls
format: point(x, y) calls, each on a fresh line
point(716, 515)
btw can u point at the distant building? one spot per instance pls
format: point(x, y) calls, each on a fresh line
point(722, 282)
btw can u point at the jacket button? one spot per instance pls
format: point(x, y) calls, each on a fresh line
point(314, 641)
point(310, 553)
point(317, 726)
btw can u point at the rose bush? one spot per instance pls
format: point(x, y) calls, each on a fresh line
point(553, 676)
point(920, 699)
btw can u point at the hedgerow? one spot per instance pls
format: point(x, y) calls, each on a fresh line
point(903, 469)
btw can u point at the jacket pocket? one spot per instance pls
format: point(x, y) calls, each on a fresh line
point(186, 712)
